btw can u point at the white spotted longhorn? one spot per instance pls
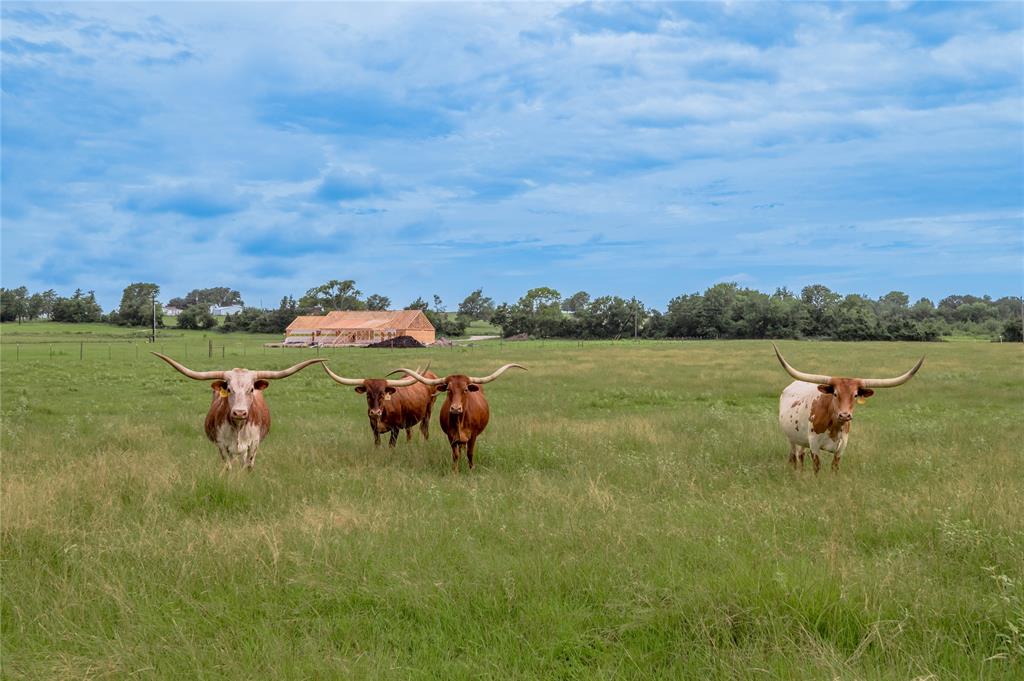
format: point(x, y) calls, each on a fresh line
point(815, 410)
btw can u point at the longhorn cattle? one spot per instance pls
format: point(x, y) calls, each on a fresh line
point(394, 404)
point(815, 410)
point(239, 417)
point(465, 412)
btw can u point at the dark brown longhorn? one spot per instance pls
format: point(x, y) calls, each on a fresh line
point(393, 405)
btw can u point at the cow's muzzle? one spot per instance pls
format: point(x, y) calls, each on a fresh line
point(845, 416)
point(457, 411)
point(239, 414)
point(375, 413)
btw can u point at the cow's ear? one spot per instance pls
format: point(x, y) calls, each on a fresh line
point(472, 387)
point(261, 384)
point(219, 385)
point(827, 389)
point(441, 387)
point(360, 389)
point(390, 390)
point(865, 392)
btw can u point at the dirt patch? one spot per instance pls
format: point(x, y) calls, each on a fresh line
point(398, 342)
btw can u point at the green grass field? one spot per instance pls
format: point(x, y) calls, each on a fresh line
point(632, 515)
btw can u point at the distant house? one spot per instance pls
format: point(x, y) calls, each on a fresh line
point(217, 310)
point(172, 311)
point(359, 327)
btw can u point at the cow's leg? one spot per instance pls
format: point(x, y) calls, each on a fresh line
point(836, 456)
point(425, 423)
point(455, 457)
point(795, 450)
point(469, 451)
point(376, 437)
point(800, 456)
point(815, 456)
point(408, 434)
point(394, 437)
point(250, 458)
point(225, 457)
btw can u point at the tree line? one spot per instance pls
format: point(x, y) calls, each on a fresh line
point(727, 310)
point(724, 310)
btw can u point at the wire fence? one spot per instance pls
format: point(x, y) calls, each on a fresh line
point(179, 349)
point(256, 350)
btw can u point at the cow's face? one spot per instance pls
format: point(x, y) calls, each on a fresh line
point(377, 393)
point(239, 387)
point(457, 388)
point(846, 393)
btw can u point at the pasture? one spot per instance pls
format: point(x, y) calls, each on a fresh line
point(632, 515)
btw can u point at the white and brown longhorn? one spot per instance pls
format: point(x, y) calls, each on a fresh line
point(465, 412)
point(815, 410)
point(239, 417)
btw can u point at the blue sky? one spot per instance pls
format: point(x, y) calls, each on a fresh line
point(645, 149)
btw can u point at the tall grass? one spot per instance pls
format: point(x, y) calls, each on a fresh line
point(632, 515)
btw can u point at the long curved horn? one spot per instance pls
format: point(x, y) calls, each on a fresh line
point(891, 382)
point(403, 382)
point(416, 376)
point(342, 379)
point(799, 375)
point(499, 372)
point(285, 373)
point(198, 375)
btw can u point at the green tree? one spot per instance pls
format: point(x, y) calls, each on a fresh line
point(476, 306)
point(136, 307)
point(610, 317)
point(197, 317)
point(821, 304)
point(79, 308)
point(443, 324)
point(683, 315)
point(1013, 330)
point(247, 320)
point(715, 319)
point(221, 296)
point(377, 302)
point(334, 295)
point(13, 304)
point(576, 302)
point(41, 304)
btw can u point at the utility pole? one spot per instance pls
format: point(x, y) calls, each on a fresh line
point(635, 322)
point(154, 319)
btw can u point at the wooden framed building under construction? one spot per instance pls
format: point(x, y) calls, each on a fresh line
point(360, 327)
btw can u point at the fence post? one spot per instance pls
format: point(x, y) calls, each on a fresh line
point(136, 350)
point(186, 350)
point(210, 349)
point(108, 350)
point(17, 351)
point(222, 351)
